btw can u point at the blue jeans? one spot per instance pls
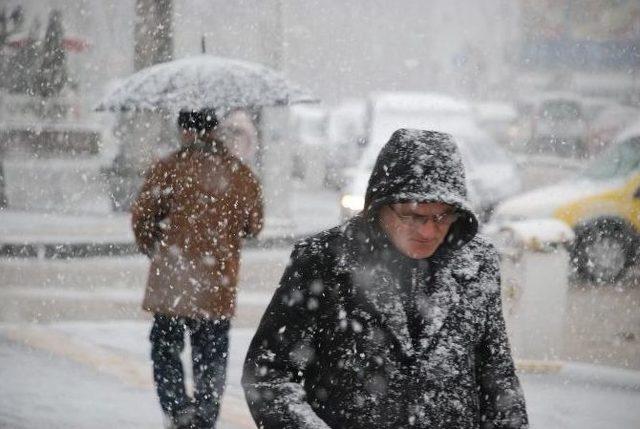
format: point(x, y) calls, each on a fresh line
point(209, 351)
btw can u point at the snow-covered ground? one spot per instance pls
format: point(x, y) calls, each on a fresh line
point(74, 351)
point(97, 374)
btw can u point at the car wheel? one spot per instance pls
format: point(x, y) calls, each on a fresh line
point(603, 252)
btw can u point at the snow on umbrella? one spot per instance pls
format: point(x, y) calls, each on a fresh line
point(200, 82)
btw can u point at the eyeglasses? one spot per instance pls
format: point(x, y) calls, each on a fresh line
point(441, 219)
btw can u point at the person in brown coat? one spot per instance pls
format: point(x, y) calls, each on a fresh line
point(194, 208)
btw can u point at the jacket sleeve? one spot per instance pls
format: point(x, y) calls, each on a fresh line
point(150, 207)
point(274, 368)
point(502, 403)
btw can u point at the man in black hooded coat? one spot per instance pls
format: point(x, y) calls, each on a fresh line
point(365, 333)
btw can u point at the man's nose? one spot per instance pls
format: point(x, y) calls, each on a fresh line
point(428, 229)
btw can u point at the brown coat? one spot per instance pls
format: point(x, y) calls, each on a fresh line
point(189, 218)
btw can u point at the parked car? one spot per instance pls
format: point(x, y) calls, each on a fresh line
point(555, 123)
point(601, 204)
point(490, 173)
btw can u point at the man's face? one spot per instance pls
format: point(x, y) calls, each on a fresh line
point(417, 229)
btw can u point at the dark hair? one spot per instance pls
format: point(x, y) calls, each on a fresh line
point(197, 120)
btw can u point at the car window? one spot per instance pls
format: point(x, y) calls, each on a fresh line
point(619, 161)
point(558, 110)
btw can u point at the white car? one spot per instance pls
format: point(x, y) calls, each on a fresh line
point(491, 174)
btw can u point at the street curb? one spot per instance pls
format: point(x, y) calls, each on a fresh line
point(65, 250)
point(88, 250)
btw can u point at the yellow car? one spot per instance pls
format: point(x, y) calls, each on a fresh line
point(601, 204)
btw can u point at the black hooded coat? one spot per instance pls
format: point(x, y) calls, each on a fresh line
point(360, 336)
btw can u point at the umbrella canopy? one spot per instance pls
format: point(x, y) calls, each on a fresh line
point(201, 82)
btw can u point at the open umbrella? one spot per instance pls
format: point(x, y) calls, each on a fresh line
point(200, 82)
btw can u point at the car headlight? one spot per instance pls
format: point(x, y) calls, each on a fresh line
point(352, 202)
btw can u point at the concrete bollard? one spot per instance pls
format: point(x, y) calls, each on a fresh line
point(535, 271)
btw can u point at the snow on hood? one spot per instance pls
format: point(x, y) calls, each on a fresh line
point(422, 166)
point(543, 202)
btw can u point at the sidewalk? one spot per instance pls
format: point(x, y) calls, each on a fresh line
point(50, 235)
point(98, 375)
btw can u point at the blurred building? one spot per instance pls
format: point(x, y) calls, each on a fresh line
point(348, 48)
point(343, 49)
point(490, 49)
point(589, 46)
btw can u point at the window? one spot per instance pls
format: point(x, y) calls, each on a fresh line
point(559, 110)
point(618, 162)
